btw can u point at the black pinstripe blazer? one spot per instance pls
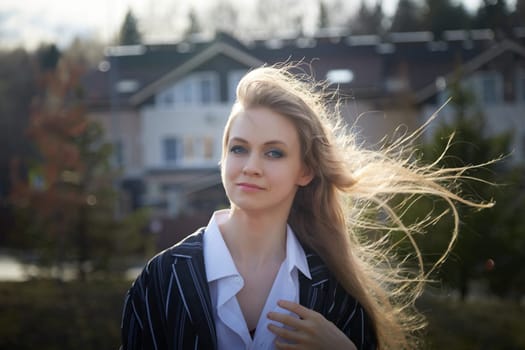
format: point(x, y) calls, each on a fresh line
point(169, 307)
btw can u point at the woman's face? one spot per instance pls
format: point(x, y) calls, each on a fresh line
point(262, 166)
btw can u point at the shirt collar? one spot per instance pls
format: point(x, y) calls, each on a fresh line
point(218, 260)
point(219, 263)
point(295, 256)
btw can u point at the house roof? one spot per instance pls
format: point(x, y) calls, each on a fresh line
point(381, 67)
point(198, 59)
point(470, 66)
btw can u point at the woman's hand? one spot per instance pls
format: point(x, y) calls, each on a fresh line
point(310, 331)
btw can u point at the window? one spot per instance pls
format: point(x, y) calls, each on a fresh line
point(166, 98)
point(197, 88)
point(520, 86)
point(488, 87)
point(208, 147)
point(119, 153)
point(173, 150)
point(233, 80)
point(207, 88)
point(186, 91)
point(189, 151)
point(206, 91)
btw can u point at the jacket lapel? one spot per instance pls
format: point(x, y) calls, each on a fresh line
point(311, 290)
point(190, 276)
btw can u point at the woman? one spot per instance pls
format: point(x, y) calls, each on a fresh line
point(286, 266)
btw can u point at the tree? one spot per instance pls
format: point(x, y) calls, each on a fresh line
point(48, 56)
point(507, 244)
point(493, 14)
point(85, 51)
point(519, 14)
point(324, 20)
point(17, 89)
point(483, 234)
point(368, 21)
point(223, 18)
point(129, 33)
point(193, 26)
point(441, 15)
point(280, 16)
point(407, 17)
point(65, 198)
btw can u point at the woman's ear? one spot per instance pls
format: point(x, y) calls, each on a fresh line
point(306, 177)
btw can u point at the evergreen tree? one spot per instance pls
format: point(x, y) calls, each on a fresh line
point(278, 16)
point(193, 26)
point(368, 21)
point(224, 17)
point(483, 235)
point(407, 17)
point(493, 14)
point(519, 14)
point(441, 15)
point(129, 32)
point(48, 56)
point(324, 21)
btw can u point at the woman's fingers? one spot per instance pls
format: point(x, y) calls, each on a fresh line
point(305, 329)
point(283, 333)
point(296, 308)
point(286, 319)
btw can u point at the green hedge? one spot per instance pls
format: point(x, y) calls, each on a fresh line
point(49, 315)
point(483, 324)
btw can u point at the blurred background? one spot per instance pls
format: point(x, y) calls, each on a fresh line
point(111, 114)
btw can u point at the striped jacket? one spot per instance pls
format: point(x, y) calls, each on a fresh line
point(169, 307)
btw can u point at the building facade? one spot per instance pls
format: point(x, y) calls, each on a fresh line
point(164, 106)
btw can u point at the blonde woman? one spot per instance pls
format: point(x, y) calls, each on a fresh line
point(288, 266)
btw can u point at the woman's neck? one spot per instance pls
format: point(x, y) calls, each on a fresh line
point(254, 238)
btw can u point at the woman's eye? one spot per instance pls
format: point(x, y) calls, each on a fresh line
point(237, 149)
point(275, 153)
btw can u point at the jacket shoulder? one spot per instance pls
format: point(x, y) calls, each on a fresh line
point(190, 247)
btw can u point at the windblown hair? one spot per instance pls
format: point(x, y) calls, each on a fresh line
point(332, 212)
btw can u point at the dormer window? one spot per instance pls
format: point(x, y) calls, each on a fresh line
point(127, 86)
point(200, 88)
point(340, 76)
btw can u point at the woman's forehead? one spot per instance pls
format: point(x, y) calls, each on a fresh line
point(262, 123)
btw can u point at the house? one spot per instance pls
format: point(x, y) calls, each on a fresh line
point(164, 106)
point(496, 77)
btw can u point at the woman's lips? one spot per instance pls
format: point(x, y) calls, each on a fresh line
point(249, 187)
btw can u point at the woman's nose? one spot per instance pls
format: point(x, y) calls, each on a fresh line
point(252, 166)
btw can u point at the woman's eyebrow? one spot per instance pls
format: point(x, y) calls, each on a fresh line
point(267, 143)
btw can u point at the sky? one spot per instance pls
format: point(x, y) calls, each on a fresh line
point(29, 22)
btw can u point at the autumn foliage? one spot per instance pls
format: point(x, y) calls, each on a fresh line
point(66, 199)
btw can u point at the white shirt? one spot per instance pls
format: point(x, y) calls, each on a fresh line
point(225, 282)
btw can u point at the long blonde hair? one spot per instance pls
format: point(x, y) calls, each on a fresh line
point(332, 213)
